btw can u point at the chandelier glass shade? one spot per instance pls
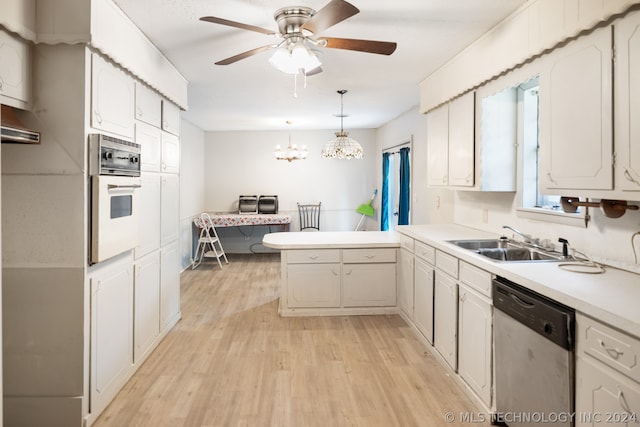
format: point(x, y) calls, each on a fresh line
point(294, 57)
point(291, 152)
point(343, 146)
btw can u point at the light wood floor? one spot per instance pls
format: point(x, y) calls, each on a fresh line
point(232, 361)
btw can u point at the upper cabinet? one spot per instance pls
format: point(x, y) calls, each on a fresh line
point(170, 117)
point(627, 103)
point(112, 98)
point(15, 72)
point(450, 139)
point(19, 16)
point(148, 105)
point(576, 134)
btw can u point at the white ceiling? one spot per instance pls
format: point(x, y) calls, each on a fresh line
point(252, 95)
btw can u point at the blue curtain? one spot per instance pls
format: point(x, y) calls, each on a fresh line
point(384, 217)
point(405, 193)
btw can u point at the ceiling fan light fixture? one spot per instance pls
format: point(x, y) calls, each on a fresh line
point(343, 146)
point(294, 58)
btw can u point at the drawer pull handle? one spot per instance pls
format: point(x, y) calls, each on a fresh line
point(623, 403)
point(334, 273)
point(348, 273)
point(613, 352)
point(370, 256)
point(313, 256)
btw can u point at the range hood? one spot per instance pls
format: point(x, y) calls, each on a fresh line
point(12, 129)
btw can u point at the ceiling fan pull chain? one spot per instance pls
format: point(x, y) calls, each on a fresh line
point(305, 77)
point(295, 85)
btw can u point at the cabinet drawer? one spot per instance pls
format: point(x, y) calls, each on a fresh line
point(447, 263)
point(476, 278)
point(357, 256)
point(612, 347)
point(406, 242)
point(310, 256)
point(426, 252)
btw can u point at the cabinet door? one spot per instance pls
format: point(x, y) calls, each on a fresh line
point(474, 340)
point(405, 283)
point(461, 140)
point(369, 285)
point(150, 140)
point(15, 83)
point(313, 285)
point(170, 117)
point(170, 153)
point(445, 317)
point(111, 331)
point(627, 99)
point(148, 215)
point(169, 285)
point(148, 105)
point(603, 397)
point(423, 304)
point(112, 99)
point(576, 142)
point(170, 208)
point(147, 304)
point(438, 146)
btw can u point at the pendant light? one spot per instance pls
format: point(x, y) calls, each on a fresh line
point(342, 147)
point(292, 152)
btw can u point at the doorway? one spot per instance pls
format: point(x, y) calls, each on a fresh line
point(396, 191)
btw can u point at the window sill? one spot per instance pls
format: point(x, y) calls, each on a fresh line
point(575, 219)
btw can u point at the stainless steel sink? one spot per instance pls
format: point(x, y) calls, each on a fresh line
point(507, 250)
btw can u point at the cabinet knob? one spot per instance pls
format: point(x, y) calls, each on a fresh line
point(348, 273)
point(550, 178)
point(98, 117)
point(139, 111)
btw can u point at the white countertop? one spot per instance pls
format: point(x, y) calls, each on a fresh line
point(331, 239)
point(612, 297)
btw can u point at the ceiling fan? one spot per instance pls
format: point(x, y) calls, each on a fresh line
point(298, 26)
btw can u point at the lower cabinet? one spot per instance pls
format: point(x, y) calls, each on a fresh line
point(169, 285)
point(475, 341)
point(405, 282)
point(445, 317)
point(339, 280)
point(111, 330)
point(146, 304)
point(423, 301)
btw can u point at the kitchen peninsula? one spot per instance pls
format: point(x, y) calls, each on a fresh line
point(336, 273)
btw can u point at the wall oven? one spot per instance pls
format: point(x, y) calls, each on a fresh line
point(114, 166)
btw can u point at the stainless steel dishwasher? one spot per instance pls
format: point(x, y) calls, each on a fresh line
point(534, 360)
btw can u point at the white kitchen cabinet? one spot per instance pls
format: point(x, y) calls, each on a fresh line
point(627, 103)
point(313, 285)
point(438, 146)
point(15, 73)
point(146, 304)
point(445, 317)
point(170, 117)
point(450, 143)
point(576, 135)
point(149, 214)
point(423, 297)
point(150, 140)
point(169, 208)
point(111, 330)
point(169, 285)
point(112, 98)
point(148, 105)
point(369, 277)
point(170, 153)
point(604, 397)
point(461, 141)
point(475, 342)
point(405, 283)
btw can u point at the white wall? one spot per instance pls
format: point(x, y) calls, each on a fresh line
point(191, 184)
point(243, 163)
point(428, 205)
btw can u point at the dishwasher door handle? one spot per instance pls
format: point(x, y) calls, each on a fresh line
point(521, 302)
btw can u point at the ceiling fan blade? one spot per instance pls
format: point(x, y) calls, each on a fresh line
point(240, 25)
point(369, 46)
point(244, 55)
point(332, 13)
point(315, 71)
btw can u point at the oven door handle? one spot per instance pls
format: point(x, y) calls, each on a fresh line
point(114, 186)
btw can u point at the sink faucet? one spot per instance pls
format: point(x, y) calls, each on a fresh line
point(525, 237)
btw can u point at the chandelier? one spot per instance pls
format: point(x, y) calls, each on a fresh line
point(342, 147)
point(291, 152)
